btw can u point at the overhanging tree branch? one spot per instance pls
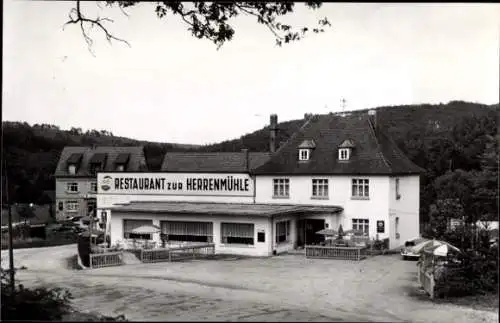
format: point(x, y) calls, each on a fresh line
point(81, 20)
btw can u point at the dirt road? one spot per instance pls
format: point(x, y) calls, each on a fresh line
point(283, 288)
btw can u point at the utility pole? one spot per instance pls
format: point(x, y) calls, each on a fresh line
point(11, 246)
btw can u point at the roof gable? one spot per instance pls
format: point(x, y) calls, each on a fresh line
point(307, 144)
point(105, 154)
point(348, 143)
point(375, 152)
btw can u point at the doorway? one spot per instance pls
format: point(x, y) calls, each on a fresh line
point(306, 232)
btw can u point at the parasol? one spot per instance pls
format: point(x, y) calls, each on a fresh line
point(146, 229)
point(442, 250)
point(327, 232)
point(418, 248)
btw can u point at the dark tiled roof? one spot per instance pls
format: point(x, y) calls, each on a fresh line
point(212, 162)
point(136, 163)
point(232, 209)
point(122, 158)
point(75, 158)
point(374, 152)
point(98, 158)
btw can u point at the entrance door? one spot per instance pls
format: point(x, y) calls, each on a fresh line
point(301, 233)
point(306, 232)
point(313, 226)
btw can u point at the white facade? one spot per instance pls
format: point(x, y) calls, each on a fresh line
point(382, 205)
point(404, 212)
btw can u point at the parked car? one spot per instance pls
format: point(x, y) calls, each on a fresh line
point(407, 250)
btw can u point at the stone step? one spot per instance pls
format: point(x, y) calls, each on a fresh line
point(130, 259)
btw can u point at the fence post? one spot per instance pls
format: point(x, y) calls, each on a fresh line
point(169, 256)
point(431, 285)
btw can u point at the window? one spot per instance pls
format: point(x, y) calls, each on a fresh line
point(72, 206)
point(237, 233)
point(93, 187)
point(72, 187)
point(120, 168)
point(361, 225)
point(72, 169)
point(320, 188)
point(303, 154)
point(60, 206)
point(344, 154)
point(398, 196)
point(130, 225)
point(283, 231)
point(281, 187)
point(91, 207)
point(187, 231)
point(397, 227)
point(360, 187)
point(94, 168)
point(261, 236)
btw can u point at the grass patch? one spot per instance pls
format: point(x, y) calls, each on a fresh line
point(38, 242)
point(488, 302)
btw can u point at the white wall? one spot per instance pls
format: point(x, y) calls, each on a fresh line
point(339, 188)
point(108, 200)
point(260, 223)
point(407, 208)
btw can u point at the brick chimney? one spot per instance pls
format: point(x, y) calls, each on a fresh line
point(273, 132)
point(247, 158)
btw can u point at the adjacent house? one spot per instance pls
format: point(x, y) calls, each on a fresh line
point(76, 175)
point(337, 169)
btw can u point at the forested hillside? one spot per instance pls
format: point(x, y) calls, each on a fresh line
point(440, 138)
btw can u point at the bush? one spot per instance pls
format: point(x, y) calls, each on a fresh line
point(84, 250)
point(41, 304)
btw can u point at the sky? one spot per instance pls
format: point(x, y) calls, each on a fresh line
point(171, 87)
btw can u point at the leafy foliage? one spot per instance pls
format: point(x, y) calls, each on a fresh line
point(477, 269)
point(46, 304)
point(211, 20)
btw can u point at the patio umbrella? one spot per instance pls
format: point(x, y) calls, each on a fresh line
point(327, 232)
point(418, 248)
point(442, 250)
point(146, 229)
point(354, 232)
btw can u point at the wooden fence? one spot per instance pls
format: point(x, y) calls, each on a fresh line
point(331, 252)
point(98, 260)
point(177, 253)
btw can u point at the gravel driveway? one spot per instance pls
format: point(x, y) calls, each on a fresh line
point(282, 288)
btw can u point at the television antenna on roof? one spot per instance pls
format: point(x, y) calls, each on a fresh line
point(343, 104)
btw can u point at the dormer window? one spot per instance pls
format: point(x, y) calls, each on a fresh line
point(305, 150)
point(303, 154)
point(121, 162)
point(345, 150)
point(344, 153)
point(73, 163)
point(97, 163)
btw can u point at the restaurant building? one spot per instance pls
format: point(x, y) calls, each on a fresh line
point(335, 170)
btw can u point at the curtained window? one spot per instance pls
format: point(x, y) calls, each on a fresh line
point(129, 225)
point(188, 231)
point(237, 233)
